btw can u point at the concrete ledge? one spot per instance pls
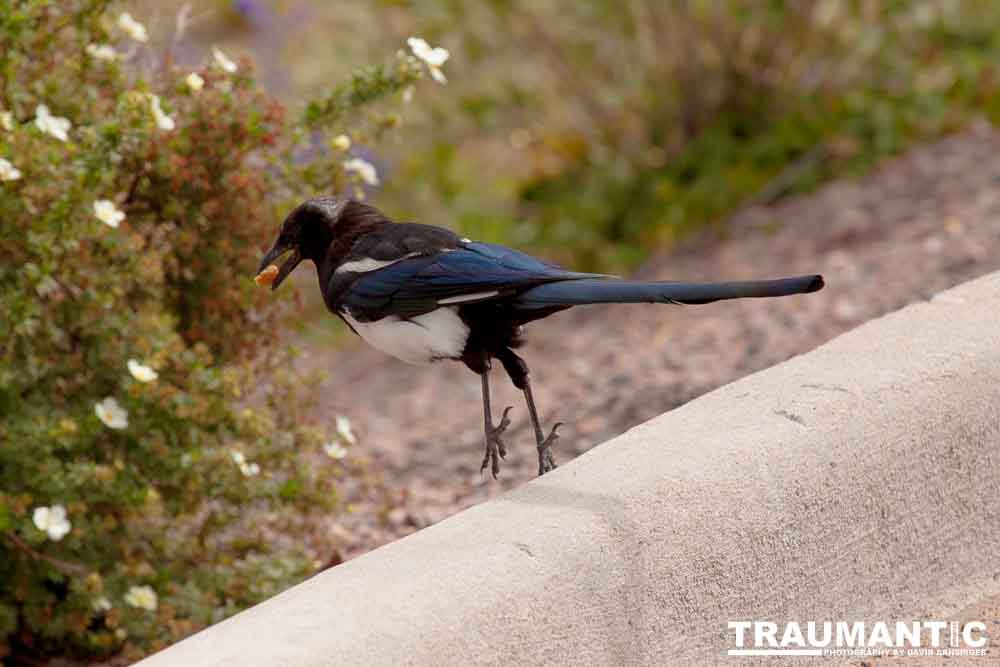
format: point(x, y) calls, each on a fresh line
point(857, 482)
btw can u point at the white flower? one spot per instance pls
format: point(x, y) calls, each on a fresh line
point(8, 172)
point(49, 124)
point(194, 82)
point(364, 169)
point(133, 28)
point(113, 415)
point(335, 450)
point(344, 430)
point(248, 469)
point(342, 142)
point(7, 120)
point(163, 121)
point(143, 597)
point(106, 211)
point(102, 604)
point(408, 94)
point(46, 286)
point(101, 51)
point(433, 57)
point(222, 61)
point(141, 372)
point(52, 521)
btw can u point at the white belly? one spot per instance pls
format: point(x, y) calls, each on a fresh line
point(439, 334)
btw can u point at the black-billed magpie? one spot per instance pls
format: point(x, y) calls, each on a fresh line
point(421, 293)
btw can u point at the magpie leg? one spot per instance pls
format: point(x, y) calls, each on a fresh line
point(543, 442)
point(495, 448)
point(518, 372)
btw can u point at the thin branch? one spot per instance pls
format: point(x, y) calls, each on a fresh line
point(787, 177)
point(181, 24)
point(64, 566)
point(139, 173)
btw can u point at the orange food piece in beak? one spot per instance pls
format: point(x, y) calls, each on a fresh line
point(267, 276)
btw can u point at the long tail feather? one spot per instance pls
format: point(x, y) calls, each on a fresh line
point(579, 292)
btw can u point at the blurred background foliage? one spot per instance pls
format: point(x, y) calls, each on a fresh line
point(592, 132)
point(596, 132)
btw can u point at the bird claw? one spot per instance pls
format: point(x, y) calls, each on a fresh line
point(545, 460)
point(504, 420)
point(495, 447)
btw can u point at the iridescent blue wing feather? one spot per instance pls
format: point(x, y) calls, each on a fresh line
point(471, 272)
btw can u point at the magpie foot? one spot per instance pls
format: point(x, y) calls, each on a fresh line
point(545, 460)
point(495, 449)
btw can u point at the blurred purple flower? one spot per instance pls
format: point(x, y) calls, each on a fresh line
point(319, 147)
point(254, 11)
point(271, 25)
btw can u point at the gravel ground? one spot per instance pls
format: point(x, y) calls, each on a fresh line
point(919, 224)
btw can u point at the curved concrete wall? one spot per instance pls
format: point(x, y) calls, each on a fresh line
point(859, 481)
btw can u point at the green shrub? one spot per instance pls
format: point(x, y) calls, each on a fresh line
point(157, 466)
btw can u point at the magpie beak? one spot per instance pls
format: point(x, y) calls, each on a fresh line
point(289, 265)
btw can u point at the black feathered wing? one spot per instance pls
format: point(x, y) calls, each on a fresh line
point(471, 273)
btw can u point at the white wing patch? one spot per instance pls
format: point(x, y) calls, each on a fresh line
point(471, 296)
point(439, 334)
point(368, 264)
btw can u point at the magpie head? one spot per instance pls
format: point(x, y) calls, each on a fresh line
point(306, 233)
point(316, 229)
